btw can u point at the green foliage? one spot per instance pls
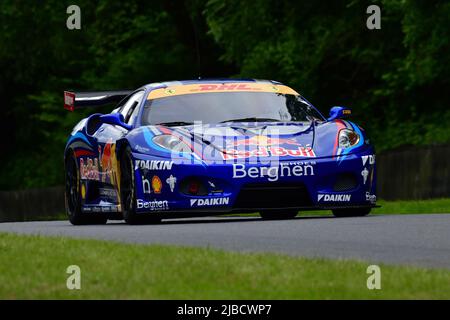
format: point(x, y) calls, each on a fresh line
point(395, 79)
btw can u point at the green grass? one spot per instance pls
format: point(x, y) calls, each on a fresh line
point(403, 207)
point(392, 207)
point(34, 267)
point(414, 206)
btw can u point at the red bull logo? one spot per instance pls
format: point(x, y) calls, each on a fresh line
point(266, 147)
point(262, 152)
point(263, 141)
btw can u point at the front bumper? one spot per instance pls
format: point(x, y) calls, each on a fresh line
point(322, 183)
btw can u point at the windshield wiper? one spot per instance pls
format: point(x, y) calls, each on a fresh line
point(253, 119)
point(175, 123)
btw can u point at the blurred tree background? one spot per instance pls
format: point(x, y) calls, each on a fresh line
point(395, 79)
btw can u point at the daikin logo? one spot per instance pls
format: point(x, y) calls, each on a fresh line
point(334, 197)
point(153, 165)
point(209, 202)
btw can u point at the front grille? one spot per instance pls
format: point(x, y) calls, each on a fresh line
point(272, 195)
point(345, 182)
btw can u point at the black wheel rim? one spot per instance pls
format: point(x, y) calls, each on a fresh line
point(127, 188)
point(72, 186)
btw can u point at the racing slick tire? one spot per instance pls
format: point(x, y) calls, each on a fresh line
point(354, 212)
point(128, 193)
point(278, 214)
point(73, 198)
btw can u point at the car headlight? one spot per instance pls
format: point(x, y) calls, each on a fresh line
point(348, 138)
point(171, 143)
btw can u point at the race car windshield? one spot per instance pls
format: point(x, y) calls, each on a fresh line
point(219, 107)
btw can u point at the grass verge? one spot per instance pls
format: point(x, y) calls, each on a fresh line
point(391, 207)
point(413, 206)
point(34, 267)
point(402, 207)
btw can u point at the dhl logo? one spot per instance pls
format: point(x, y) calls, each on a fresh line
point(219, 87)
point(226, 87)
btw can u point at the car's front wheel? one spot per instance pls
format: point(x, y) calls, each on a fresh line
point(354, 212)
point(278, 214)
point(128, 192)
point(73, 198)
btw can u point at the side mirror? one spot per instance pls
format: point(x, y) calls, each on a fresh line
point(339, 113)
point(115, 119)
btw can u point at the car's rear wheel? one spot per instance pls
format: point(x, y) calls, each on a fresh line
point(354, 212)
point(278, 214)
point(73, 198)
point(128, 192)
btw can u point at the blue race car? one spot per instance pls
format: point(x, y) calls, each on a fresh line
point(211, 147)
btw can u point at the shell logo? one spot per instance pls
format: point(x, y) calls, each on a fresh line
point(156, 184)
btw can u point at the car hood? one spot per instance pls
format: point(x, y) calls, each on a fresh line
point(243, 141)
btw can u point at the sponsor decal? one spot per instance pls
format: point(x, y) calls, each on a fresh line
point(69, 98)
point(218, 87)
point(108, 162)
point(141, 149)
point(101, 208)
point(263, 141)
point(211, 184)
point(90, 169)
point(146, 187)
point(371, 197)
point(273, 173)
point(107, 193)
point(83, 191)
point(221, 87)
point(369, 158)
point(156, 184)
point(333, 197)
point(266, 147)
point(214, 189)
point(108, 209)
point(155, 205)
point(171, 181)
point(365, 174)
point(306, 152)
point(153, 164)
point(105, 157)
point(210, 202)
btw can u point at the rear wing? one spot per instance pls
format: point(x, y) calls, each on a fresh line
point(75, 100)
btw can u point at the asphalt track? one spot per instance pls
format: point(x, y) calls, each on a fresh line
point(419, 240)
